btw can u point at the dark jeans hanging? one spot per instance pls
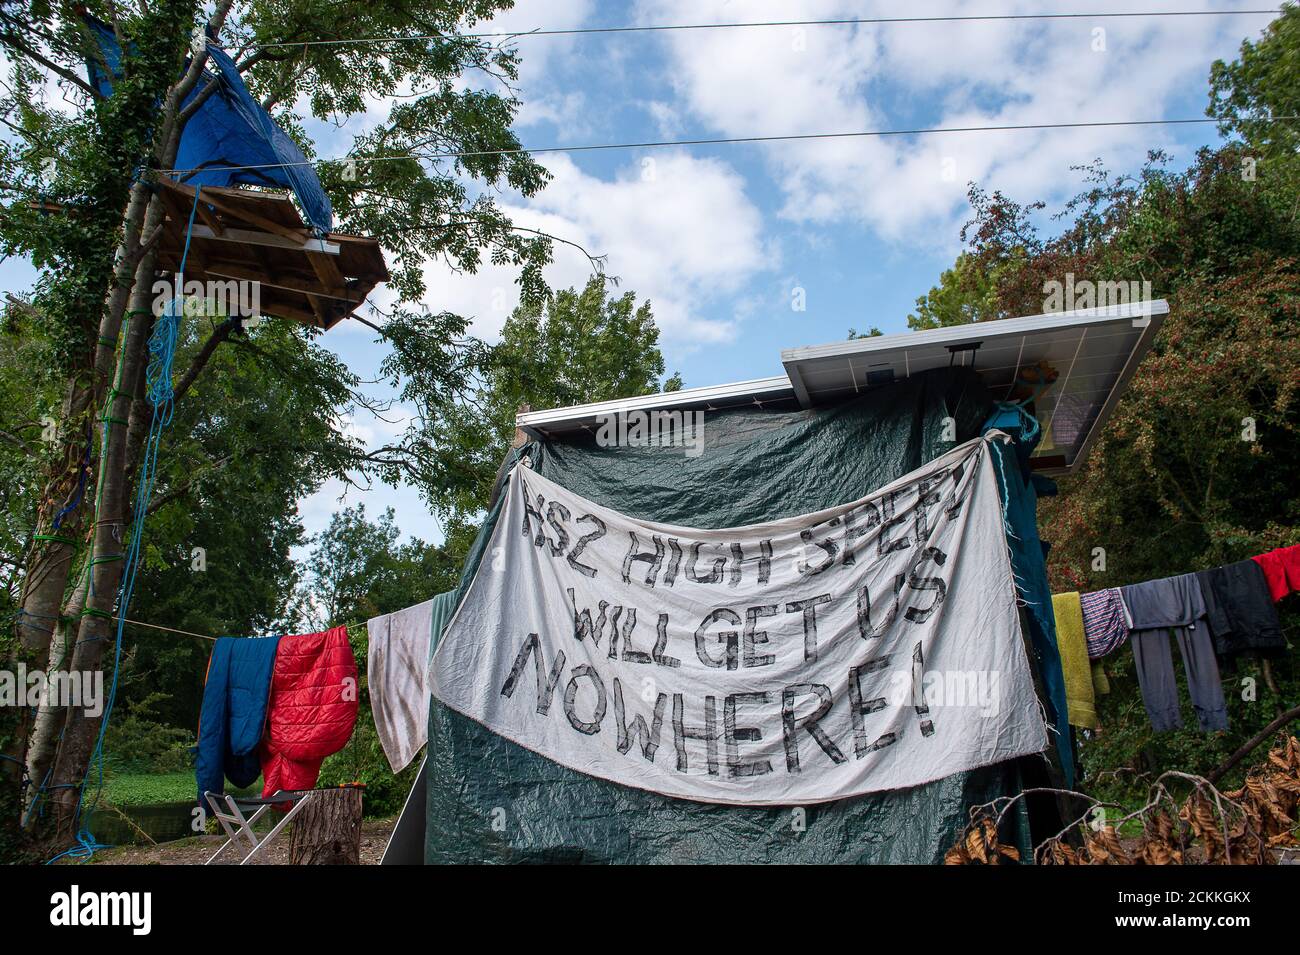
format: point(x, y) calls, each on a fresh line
point(1155, 670)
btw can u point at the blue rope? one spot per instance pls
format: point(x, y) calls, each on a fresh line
point(1006, 495)
point(1029, 426)
point(189, 232)
point(158, 390)
point(81, 483)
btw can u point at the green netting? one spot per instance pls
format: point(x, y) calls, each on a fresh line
point(490, 800)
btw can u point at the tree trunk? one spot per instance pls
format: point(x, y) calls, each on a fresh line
point(45, 574)
point(111, 539)
point(132, 283)
point(328, 830)
point(45, 578)
point(51, 714)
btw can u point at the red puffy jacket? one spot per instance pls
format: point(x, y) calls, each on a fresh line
point(312, 709)
point(1281, 569)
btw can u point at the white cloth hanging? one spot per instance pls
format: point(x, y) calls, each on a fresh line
point(396, 665)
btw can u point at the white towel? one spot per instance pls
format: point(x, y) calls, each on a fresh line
point(396, 665)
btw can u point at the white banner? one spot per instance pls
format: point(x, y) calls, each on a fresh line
point(871, 646)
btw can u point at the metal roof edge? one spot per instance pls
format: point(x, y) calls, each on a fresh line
point(984, 330)
point(757, 387)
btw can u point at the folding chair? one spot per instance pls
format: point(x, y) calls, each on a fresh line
point(239, 827)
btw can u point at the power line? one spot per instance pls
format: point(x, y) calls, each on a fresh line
point(846, 21)
point(720, 141)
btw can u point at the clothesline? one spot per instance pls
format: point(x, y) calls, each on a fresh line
point(154, 626)
point(1214, 615)
point(1254, 557)
point(201, 636)
point(1272, 574)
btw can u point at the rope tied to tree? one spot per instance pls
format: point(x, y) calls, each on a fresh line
point(81, 484)
point(160, 394)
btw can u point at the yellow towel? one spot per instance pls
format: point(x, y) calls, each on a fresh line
point(1073, 648)
point(1100, 684)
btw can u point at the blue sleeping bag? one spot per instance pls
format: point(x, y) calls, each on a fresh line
point(234, 712)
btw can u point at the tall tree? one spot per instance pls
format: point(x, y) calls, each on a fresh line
point(88, 252)
point(81, 207)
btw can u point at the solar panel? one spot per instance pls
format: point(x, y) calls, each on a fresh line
point(1093, 352)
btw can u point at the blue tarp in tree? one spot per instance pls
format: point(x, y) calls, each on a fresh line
point(230, 140)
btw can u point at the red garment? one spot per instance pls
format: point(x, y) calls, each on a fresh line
point(1281, 569)
point(312, 710)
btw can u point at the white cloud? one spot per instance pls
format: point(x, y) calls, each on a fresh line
point(666, 117)
point(539, 54)
point(569, 111)
point(782, 80)
point(677, 229)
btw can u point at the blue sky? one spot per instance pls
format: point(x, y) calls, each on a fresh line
point(718, 238)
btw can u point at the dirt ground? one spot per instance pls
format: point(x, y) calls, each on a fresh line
point(197, 850)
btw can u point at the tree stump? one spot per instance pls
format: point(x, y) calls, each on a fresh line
point(328, 830)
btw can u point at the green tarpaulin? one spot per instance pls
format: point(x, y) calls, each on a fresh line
point(490, 800)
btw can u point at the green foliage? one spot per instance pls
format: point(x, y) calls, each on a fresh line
point(965, 293)
point(455, 95)
point(84, 162)
point(256, 433)
point(1196, 465)
point(582, 346)
point(139, 743)
point(363, 760)
point(579, 347)
point(262, 424)
point(25, 400)
point(1127, 742)
point(148, 789)
point(1265, 82)
point(357, 569)
point(872, 332)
